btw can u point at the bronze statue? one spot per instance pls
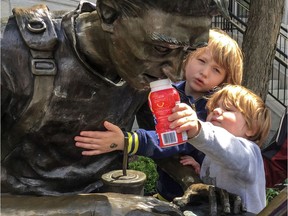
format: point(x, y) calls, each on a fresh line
point(64, 74)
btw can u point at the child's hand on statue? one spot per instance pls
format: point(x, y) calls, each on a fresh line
point(99, 142)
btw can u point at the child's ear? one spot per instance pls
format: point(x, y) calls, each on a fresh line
point(250, 132)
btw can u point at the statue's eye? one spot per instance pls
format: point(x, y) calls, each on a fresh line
point(162, 49)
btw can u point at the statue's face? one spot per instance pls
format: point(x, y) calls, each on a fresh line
point(152, 47)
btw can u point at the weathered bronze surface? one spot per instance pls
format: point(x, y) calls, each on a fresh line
point(64, 74)
point(105, 204)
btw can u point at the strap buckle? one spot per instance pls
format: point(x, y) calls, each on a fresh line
point(43, 67)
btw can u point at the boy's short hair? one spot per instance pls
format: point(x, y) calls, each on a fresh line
point(226, 52)
point(257, 116)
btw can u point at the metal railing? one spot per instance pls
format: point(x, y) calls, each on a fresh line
point(239, 12)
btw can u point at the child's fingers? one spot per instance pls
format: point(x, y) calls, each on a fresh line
point(99, 142)
point(188, 160)
point(98, 134)
point(94, 152)
point(197, 170)
point(179, 114)
point(186, 157)
point(111, 127)
point(184, 123)
point(91, 134)
point(179, 107)
point(103, 147)
point(85, 139)
point(180, 111)
point(87, 145)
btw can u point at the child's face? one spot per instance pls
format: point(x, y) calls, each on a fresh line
point(203, 73)
point(229, 118)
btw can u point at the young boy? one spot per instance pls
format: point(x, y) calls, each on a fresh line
point(237, 125)
point(206, 68)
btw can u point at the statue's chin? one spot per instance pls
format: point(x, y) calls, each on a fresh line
point(141, 86)
point(142, 81)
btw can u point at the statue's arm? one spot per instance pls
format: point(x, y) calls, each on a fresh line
point(184, 175)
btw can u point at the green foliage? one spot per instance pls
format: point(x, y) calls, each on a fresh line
point(147, 166)
point(270, 194)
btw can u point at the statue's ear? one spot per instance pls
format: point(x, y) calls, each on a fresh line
point(220, 7)
point(108, 15)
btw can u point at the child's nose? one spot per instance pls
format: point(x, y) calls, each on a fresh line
point(217, 111)
point(205, 71)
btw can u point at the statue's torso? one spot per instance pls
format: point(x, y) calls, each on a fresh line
point(45, 160)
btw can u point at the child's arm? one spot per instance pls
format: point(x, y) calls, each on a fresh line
point(141, 142)
point(189, 160)
point(216, 142)
point(99, 142)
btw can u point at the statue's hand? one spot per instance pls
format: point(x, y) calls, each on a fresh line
point(229, 203)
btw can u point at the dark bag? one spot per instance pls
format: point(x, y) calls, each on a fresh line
point(275, 155)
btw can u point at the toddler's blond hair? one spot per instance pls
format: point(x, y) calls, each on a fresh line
point(257, 116)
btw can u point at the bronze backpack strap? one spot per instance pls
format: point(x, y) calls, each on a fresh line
point(36, 27)
point(37, 30)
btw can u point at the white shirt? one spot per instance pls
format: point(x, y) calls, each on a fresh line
point(232, 163)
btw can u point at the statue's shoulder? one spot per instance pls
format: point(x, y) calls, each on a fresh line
point(36, 27)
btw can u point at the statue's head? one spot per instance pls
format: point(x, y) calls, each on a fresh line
point(151, 37)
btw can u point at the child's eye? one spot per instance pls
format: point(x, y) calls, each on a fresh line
point(201, 60)
point(218, 70)
point(230, 109)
